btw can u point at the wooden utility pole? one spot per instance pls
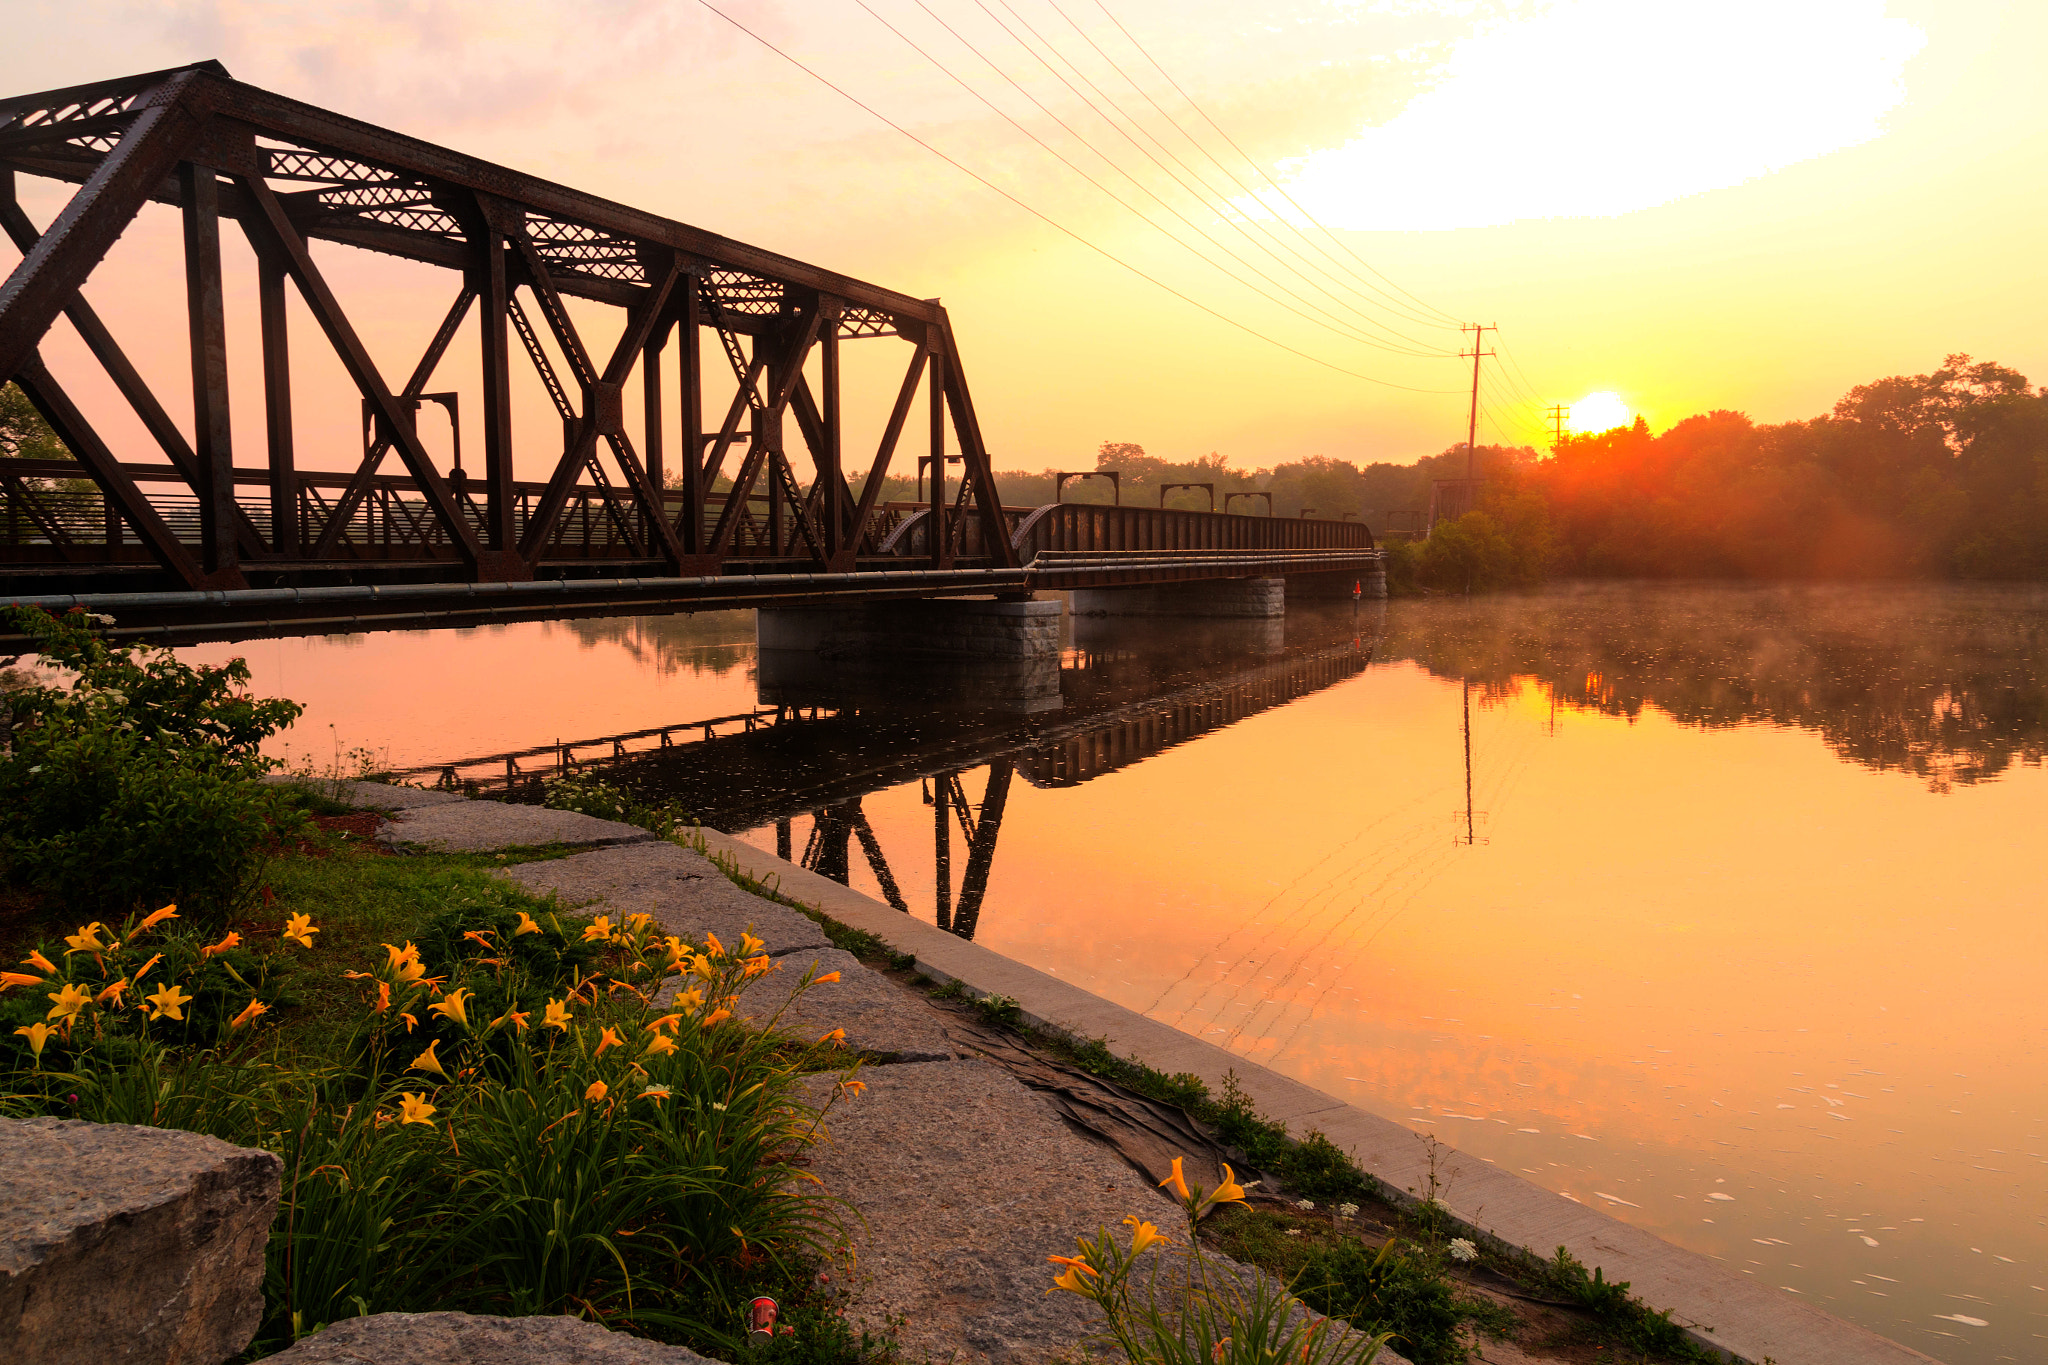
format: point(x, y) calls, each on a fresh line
point(1558, 413)
point(1478, 331)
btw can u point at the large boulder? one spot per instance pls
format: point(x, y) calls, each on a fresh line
point(120, 1243)
point(460, 1339)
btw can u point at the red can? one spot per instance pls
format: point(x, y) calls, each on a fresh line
point(761, 1318)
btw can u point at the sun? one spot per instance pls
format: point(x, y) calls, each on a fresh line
point(1598, 412)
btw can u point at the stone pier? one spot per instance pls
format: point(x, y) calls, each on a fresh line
point(1245, 598)
point(1003, 653)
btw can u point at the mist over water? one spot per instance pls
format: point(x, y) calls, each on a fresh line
point(1730, 926)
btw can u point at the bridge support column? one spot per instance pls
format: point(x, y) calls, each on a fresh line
point(1337, 587)
point(1005, 655)
point(1219, 597)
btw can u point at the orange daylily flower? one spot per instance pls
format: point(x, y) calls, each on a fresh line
point(451, 1008)
point(667, 1021)
point(113, 993)
point(87, 939)
point(69, 1000)
point(427, 1061)
point(660, 1045)
point(39, 962)
point(299, 929)
point(249, 1012)
point(609, 1038)
point(157, 917)
point(717, 1017)
point(37, 1035)
point(598, 1090)
point(18, 979)
point(711, 941)
point(822, 980)
point(526, 925)
point(1177, 1182)
point(598, 929)
point(233, 940)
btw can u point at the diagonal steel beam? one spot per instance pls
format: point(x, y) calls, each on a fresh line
point(396, 421)
point(790, 370)
point(50, 275)
point(126, 378)
point(88, 449)
point(359, 482)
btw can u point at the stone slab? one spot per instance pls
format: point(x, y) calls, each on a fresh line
point(370, 795)
point(122, 1243)
point(1751, 1322)
point(967, 1182)
point(684, 892)
point(485, 826)
point(878, 1015)
point(464, 1339)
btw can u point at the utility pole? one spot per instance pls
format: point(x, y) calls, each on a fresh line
point(1558, 413)
point(1478, 331)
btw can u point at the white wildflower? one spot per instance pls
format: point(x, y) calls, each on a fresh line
point(1306, 1205)
point(1463, 1250)
point(1347, 1210)
point(100, 619)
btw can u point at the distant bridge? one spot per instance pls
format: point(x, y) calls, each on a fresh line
point(184, 541)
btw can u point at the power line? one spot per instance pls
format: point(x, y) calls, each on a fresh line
point(1335, 324)
point(1051, 222)
point(1201, 190)
point(1447, 318)
point(1558, 415)
point(1478, 331)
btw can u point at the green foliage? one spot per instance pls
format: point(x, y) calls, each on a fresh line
point(1622, 1316)
point(591, 795)
point(133, 778)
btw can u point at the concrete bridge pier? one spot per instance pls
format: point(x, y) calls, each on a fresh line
point(1003, 654)
point(1337, 587)
point(1213, 598)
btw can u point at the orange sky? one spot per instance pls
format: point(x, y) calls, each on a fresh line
point(1739, 204)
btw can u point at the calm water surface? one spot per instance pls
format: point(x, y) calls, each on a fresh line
point(1719, 909)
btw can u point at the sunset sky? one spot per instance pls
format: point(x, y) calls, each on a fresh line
point(1750, 204)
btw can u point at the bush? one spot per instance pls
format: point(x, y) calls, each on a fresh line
point(590, 795)
point(136, 777)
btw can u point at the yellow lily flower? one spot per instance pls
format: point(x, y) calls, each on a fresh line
point(598, 929)
point(1070, 1279)
point(557, 1016)
point(1229, 1192)
point(711, 941)
point(87, 939)
point(451, 1008)
point(756, 966)
point(404, 963)
point(701, 966)
point(526, 925)
point(249, 1011)
point(427, 1061)
point(39, 962)
point(233, 940)
point(825, 979)
point(157, 917)
point(638, 921)
point(598, 1090)
point(69, 1000)
point(609, 1038)
point(667, 1021)
point(113, 993)
point(691, 1000)
point(1144, 1236)
point(37, 1035)
point(1177, 1182)
point(415, 1109)
point(300, 929)
point(169, 1003)
point(513, 1017)
point(749, 945)
point(660, 1045)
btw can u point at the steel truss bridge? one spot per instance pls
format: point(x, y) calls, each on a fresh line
point(189, 536)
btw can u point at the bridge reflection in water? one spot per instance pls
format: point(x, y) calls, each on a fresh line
point(1126, 691)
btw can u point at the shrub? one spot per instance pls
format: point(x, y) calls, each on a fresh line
point(590, 795)
point(135, 776)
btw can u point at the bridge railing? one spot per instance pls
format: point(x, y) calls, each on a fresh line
point(1084, 528)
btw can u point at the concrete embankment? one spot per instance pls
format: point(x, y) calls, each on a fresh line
point(1722, 1309)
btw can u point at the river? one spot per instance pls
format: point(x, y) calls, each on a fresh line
point(1717, 908)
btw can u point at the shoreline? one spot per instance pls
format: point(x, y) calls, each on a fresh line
point(1719, 1309)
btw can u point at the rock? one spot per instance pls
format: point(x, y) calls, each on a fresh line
point(370, 795)
point(482, 826)
point(877, 1014)
point(684, 892)
point(463, 1339)
point(121, 1243)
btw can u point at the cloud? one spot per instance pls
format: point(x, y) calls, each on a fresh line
point(1601, 107)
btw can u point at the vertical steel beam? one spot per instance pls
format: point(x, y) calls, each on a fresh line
point(935, 531)
point(942, 853)
point(691, 378)
point(830, 477)
point(206, 322)
point(650, 386)
point(494, 319)
point(285, 538)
